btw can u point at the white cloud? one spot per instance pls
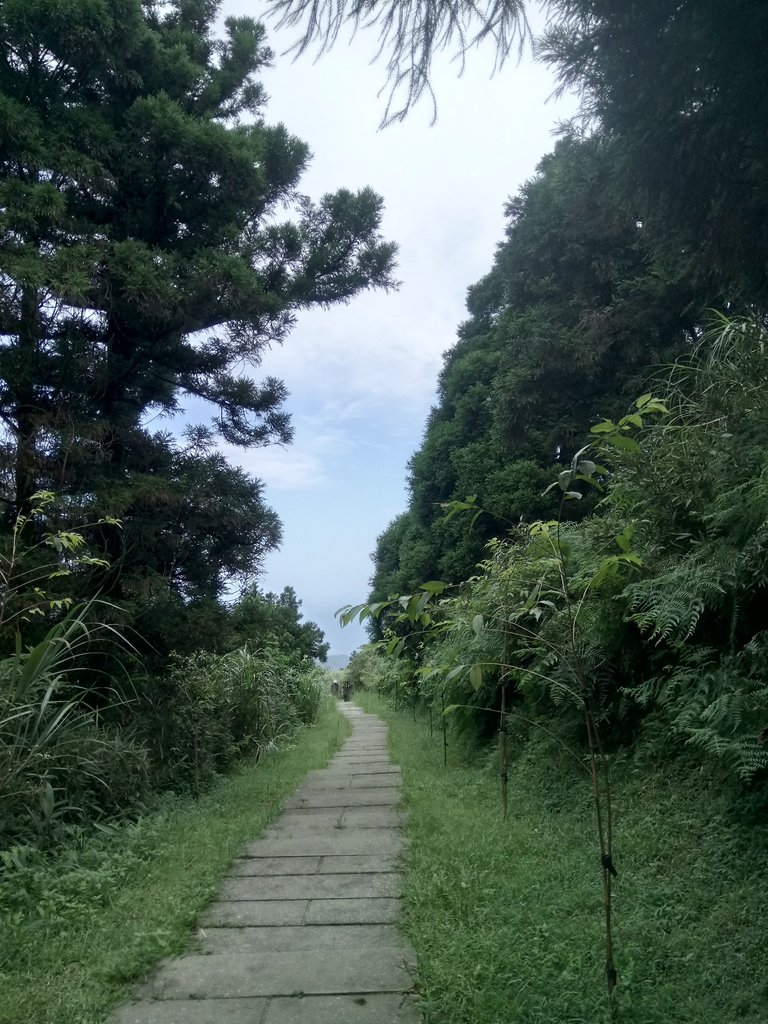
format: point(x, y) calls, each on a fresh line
point(287, 469)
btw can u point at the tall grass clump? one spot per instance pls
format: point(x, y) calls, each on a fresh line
point(58, 765)
point(85, 734)
point(198, 719)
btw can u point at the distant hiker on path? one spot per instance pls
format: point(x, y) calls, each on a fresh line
point(346, 691)
point(335, 688)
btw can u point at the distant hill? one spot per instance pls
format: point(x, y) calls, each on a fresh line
point(336, 661)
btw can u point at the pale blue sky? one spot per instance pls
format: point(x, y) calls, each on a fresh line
point(362, 377)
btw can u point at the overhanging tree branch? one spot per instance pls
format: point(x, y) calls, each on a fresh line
point(410, 33)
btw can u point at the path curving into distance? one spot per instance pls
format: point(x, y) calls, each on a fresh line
point(304, 927)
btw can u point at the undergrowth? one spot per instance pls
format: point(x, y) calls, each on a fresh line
point(505, 916)
point(81, 926)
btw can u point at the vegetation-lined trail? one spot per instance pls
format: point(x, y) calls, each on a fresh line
point(303, 929)
point(571, 608)
point(82, 926)
point(505, 915)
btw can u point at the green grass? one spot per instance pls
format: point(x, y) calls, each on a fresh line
point(506, 916)
point(79, 929)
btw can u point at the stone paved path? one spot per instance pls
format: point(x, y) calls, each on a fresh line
point(303, 931)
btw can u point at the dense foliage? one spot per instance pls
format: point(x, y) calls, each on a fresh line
point(146, 262)
point(577, 306)
point(87, 731)
point(630, 593)
point(153, 243)
point(653, 601)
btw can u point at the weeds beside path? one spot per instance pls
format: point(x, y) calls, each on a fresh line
point(505, 916)
point(78, 930)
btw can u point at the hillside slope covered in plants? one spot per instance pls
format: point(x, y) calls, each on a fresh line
point(583, 551)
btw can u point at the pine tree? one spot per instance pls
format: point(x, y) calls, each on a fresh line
point(143, 257)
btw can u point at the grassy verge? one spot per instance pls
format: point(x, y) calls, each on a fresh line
point(505, 916)
point(77, 930)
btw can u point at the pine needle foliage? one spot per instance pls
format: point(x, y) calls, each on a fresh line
point(410, 33)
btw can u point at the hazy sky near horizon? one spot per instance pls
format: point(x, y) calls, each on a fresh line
point(362, 377)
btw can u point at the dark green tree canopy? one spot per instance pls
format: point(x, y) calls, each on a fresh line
point(683, 85)
point(276, 619)
point(141, 252)
point(560, 333)
point(153, 243)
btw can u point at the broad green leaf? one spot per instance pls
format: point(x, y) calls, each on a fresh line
point(604, 427)
point(478, 625)
point(608, 569)
point(633, 420)
point(434, 586)
point(455, 672)
point(631, 559)
point(395, 646)
point(649, 404)
point(476, 677)
point(624, 444)
point(624, 539)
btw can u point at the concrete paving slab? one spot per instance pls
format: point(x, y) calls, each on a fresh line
point(358, 764)
point(340, 781)
point(367, 1009)
point(343, 780)
point(340, 771)
point(318, 936)
point(344, 841)
point(365, 738)
point(368, 747)
point(261, 913)
point(360, 755)
point(277, 866)
point(343, 864)
point(329, 819)
point(374, 781)
point(354, 762)
point(320, 809)
point(359, 864)
point(317, 812)
point(360, 797)
point(356, 911)
point(193, 1011)
point(341, 776)
point(308, 972)
point(311, 887)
